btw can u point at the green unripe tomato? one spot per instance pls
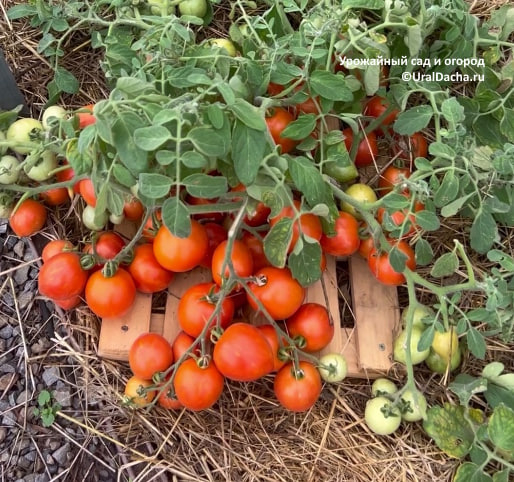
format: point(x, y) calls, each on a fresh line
point(9, 170)
point(225, 44)
point(161, 7)
point(421, 312)
point(438, 364)
point(20, 131)
point(93, 221)
point(116, 219)
point(381, 417)
point(361, 193)
point(54, 111)
point(333, 367)
point(400, 347)
point(42, 170)
point(415, 405)
point(383, 386)
point(445, 343)
point(196, 8)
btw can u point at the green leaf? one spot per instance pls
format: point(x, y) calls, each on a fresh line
point(300, 128)
point(277, 241)
point(476, 343)
point(413, 120)
point(215, 115)
point(397, 259)
point(501, 428)
point(448, 427)
point(465, 386)
point(134, 158)
point(502, 476)
point(193, 159)
point(423, 252)
point(154, 186)
point(20, 11)
point(208, 141)
point(394, 202)
point(305, 265)
point(496, 395)
point(507, 124)
point(452, 111)
point(470, 472)
point(448, 190)
point(249, 114)
point(455, 206)
point(115, 202)
point(446, 265)
point(44, 397)
point(493, 370)
point(151, 137)
point(506, 381)
point(205, 186)
point(365, 4)
point(414, 40)
point(438, 149)
point(66, 81)
point(483, 232)
point(248, 147)
point(427, 220)
point(175, 217)
point(123, 176)
point(330, 86)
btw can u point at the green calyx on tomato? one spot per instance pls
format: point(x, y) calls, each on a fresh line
point(383, 386)
point(381, 416)
point(413, 405)
point(333, 367)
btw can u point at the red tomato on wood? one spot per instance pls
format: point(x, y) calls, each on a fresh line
point(310, 327)
point(346, 240)
point(149, 354)
point(271, 336)
point(149, 276)
point(381, 267)
point(240, 257)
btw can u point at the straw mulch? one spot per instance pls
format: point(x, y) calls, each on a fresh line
point(246, 436)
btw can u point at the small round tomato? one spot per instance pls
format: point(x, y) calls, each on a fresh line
point(400, 347)
point(150, 353)
point(309, 106)
point(61, 277)
point(445, 343)
point(259, 212)
point(346, 240)
point(240, 257)
point(149, 276)
point(381, 267)
point(108, 245)
point(197, 8)
point(181, 254)
point(438, 364)
point(181, 344)
point(274, 89)
point(277, 120)
point(42, 169)
point(278, 292)
point(51, 116)
point(410, 147)
point(309, 224)
point(383, 386)
point(198, 386)
point(9, 169)
point(87, 191)
point(365, 246)
point(333, 367)
point(20, 132)
point(392, 176)
point(198, 304)
point(297, 389)
point(28, 219)
point(256, 247)
point(69, 303)
point(67, 175)
point(167, 398)
point(242, 353)
point(271, 335)
point(54, 247)
point(86, 116)
point(310, 327)
point(381, 416)
point(56, 196)
point(137, 393)
point(110, 297)
point(216, 234)
point(376, 107)
point(133, 209)
point(414, 405)
point(367, 150)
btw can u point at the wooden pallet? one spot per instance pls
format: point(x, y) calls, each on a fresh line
point(367, 346)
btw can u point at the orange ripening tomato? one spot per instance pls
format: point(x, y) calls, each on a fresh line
point(198, 387)
point(66, 175)
point(242, 353)
point(297, 390)
point(56, 196)
point(109, 244)
point(87, 191)
point(216, 234)
point(366, 245)
point(367, 150)
point(149, 276)
point(392, 176)
point(241, 259)
point(181, 344)
point(277, 120)
point(311, 327)
point(133, 209)
point(152, 226)
point(309, 224)
point(271, 336)
point(150, 353)
point(136, 393)
point(110, 297)
point(380, 266)
point(276, 289)
point(54, 247)
point(181, 254)
point(28, 219)
point(86, 117)
point(346, 240)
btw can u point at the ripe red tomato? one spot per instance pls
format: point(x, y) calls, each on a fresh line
point(69, 303)
point(167, 398)
point(133, 209)
point(198, 304)
point(367, 150)
point(109, 244)
point(274, 89)
point(381, 268)
point(256, 247)
point(56, 196)
point(310, 327)
point(216, 234)
point(149, 276)
point(181, 254)
point(297, 390)
point(181, 344)
point(259, 211)
point(309, 106)
point(410, 147)
point(308, 223)
point(376, 106)
point(277, 120)
point(271, 336)
point(240, 257)
point(54, 247)
point(366, 245)
point(214, 216)
point(110, 297)
point(392, 176)
point(87, 191)
point(346, 240)
point(276, 289)
point(243, 353)
point(198, 387)
point(61, 277)
point(28, 219)
point(86, 117)
point(149, 354)
point(398, 218)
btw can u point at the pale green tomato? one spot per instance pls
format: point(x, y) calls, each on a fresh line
point(3, 149)
point(134, 189)
point(42, 170)
point(19, 132)
point(161, 7)
point(196, 8)
point(361, 193)
point(383, 386)
point(400, 347)
point(421, 312)
point(381, 417)
point(92, 221)
point(439, 365)
point(333, 367)
point(52, 112)
point(415, 405)
point(116, 219)
point(225, 44)
point(445, 343)
point(9, 170)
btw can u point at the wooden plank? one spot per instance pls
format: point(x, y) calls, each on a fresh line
point(157, 323)
point(376, 310)
point(118, 334)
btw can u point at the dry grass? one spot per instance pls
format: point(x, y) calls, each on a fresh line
point(246, 436)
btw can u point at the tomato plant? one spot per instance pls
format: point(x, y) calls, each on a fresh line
point(380, 264)
point(392, 176)
point(148, 275)
point(149, 354)
point(28, 219)
point(367, 150)
point(277, 120)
